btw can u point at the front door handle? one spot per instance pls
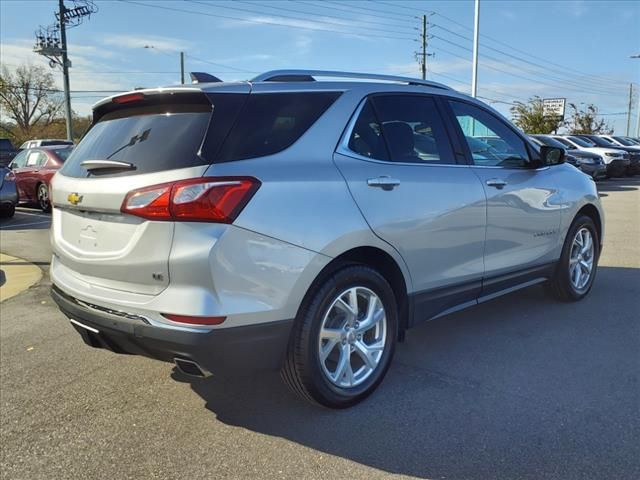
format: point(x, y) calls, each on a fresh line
point(497, 183)
point(386, 183)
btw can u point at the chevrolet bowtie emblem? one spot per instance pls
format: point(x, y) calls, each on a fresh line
point(74, 198)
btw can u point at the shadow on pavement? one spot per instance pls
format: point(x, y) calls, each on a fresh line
point(26, 220)
point(521, 387)
point(625, 184)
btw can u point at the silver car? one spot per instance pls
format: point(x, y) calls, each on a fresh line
point(306, 225)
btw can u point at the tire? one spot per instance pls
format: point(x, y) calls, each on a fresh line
point(326, 382)
point(8, 212)
point(42, 194)
point(563, 285)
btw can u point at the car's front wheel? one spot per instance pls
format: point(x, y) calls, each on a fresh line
point(343, 339)
point(576, 269)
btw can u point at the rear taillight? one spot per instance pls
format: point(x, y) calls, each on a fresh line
point(208, 199)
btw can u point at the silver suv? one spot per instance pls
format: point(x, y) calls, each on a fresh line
point(305, 225)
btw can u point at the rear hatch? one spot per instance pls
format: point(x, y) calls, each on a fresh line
point(139, 139)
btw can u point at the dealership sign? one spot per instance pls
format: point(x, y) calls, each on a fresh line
point(553, 107)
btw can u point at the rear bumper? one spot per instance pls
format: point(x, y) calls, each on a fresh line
point(261, 346)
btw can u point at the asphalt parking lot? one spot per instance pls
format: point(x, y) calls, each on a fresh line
point(521, 387)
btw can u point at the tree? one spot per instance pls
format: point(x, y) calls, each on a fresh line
point(29, 99)
point(529, 117)
point(586, 121)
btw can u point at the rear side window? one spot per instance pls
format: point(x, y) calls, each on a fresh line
point(272, 122)
point(413, 129)
point(5, 144)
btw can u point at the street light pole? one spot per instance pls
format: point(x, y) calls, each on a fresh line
point(476, 25)
point(638, 109)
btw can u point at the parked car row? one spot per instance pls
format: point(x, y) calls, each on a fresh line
point(598, 155)
point(25, 180)
point(8, 151)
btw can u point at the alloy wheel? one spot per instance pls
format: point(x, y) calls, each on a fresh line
point(581, 259)
point(352, 337)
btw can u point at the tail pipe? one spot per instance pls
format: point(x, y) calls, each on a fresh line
point(190, 368)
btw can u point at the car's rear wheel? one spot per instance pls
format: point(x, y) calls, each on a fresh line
point(43, 198)
point(343, 339)
point(576, 269)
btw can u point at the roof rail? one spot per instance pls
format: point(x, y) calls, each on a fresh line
point(308, 75)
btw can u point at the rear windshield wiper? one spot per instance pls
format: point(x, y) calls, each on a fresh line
point(91, 165)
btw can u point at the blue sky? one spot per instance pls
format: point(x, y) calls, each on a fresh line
point(574, 49)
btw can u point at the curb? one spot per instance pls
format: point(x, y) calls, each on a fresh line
point(16, 275)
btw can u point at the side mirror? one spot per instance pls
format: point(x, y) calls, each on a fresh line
point(550, 156)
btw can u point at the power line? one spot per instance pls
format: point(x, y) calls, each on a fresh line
point(238, 70)
point(351, 10)
point(605, 79)
point(289, 17)
point(491, 67)
point(386, 24)
point(401, 17)
point(537, 65)
point(259, 22)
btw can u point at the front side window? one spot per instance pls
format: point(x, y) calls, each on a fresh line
point(478, 126)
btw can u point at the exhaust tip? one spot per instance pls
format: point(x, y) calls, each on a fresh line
point(190, 368)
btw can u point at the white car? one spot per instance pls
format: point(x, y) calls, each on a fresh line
point(616, 160)
point(621, 141)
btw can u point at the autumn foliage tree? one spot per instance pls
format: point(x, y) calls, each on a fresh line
point(29, 100)
point(529, 117)
point(586, 121)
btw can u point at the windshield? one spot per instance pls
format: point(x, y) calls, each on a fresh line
point(602, 142)
point(624, 141)
point(551, 142)
point(583, 142)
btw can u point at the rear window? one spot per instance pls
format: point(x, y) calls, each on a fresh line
point(153, 135)
point(48, 143)
point(272, 122)
point(63, 153)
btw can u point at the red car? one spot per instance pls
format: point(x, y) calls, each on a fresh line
point(34, 169)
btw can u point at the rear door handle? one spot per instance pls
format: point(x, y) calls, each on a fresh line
point(497, 183)
point(386, 183)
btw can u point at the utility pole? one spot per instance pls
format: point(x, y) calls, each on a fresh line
point(629, 109)
point(65, 70)
point(182, 68)
point(424, 47)
point(476, 25)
